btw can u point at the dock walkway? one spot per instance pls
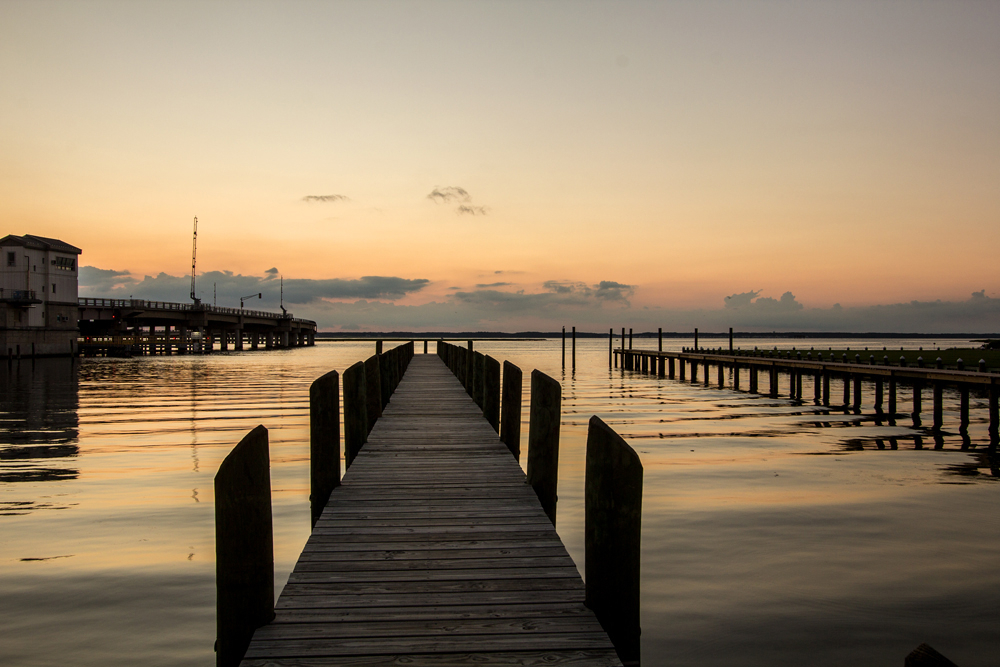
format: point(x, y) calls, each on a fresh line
point(433, 551)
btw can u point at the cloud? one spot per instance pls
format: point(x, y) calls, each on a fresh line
point(467, 209)
point(449, 194)
point(93, 279)
point(565, 286)
point(325, 199)
point(227, 287)
point(741, 300)
point(484, 285)
point(273, 271)
point(612, 291)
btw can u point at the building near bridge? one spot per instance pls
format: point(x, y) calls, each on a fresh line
point(38, 296)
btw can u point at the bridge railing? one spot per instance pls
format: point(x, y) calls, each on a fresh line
point(91, 302)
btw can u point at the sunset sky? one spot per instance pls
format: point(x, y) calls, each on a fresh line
point(518, 165)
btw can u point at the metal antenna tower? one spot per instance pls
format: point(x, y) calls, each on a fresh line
point(194, 254)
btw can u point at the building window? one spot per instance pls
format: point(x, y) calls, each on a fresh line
point(11, 259)
point(53, 288)
point(64, 263)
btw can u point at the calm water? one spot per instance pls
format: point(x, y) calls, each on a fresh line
point(773, 532)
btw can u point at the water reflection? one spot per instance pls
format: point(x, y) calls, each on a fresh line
point(39, 422)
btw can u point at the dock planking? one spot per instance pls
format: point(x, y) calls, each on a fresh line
point(433, 551)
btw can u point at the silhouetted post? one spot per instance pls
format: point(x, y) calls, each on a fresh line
point(244, 547)
point(694, 370)
point(917, 390)
point(994, 411)
point(661, 366)
point(470, 363)
point(574, 348)
point(938, 405)
point(680, 367)
point(510, 405)
point(736, 377)
point(857, 391)
point(892, 394)
point(963, 408)
point(611, 347)
point(925, 656)
point(879, 390)
point(730, 339)
point(659, 336)
point(773, 381)
point(543, 440)
point(630, 339)
point(564, 347)
point(696, 339)
point(378, 347)
point(478, 378)
point(721, 378)
point(355, 411)
point(670, 368)
point(324, 441)
point(385, 377)
point(373, 391)
point(847, 390)
point(613, 528)
point(491, 392)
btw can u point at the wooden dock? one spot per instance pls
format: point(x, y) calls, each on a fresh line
point(433, 551)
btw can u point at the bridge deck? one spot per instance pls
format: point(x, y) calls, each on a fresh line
point(433, 551)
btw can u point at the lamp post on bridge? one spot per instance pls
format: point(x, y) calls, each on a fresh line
point(259, 295)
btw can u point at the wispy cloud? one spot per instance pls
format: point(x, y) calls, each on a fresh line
point(487, 285)
point(325, 199)
point(468, 209)
point(449, 194)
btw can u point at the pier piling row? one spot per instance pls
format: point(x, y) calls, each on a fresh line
point(885, 377)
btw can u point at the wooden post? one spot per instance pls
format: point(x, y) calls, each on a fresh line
point(612, 534)
point(696, 339)
point(661, 366)
point(670, 368)
point(510, 405)
point(963, 409)
point(373, 391)
point(478, 378)
point(773, 381)
point(917, 389)
point(324, 441)
point(659, 335)
point(611, 347)
point(467, 374)
point(994, 411)
point(384, 377)
point(722, 379)
point(730, 340)
point(378, 347)
point(630, 339)
point(543, 440)
point(817, 387)
point(857, 391)
point(879, 390)
point(847, 390)
point(694, 370)
point(574, 348)
point(355, 411)
point(491, 392)
point(564, 347)
point(892, 394)
point(938, 405)
point(244, 547)
point(736, 377)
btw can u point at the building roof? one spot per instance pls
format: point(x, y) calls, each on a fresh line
point(40, 243)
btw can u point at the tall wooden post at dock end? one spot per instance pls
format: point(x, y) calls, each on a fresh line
point(730, 339)
point(324, 441)
point(355, 411)
point(491, 392)
point(613, 528)
point(244, 547)
point(543, 440)
point(510, 405)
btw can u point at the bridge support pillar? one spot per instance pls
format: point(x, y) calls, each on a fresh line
point(254, 340)
point(238, 342)
point(269, 342)
point(223, 340)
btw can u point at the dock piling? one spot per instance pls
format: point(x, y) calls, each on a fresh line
point(510, 406)
point(491, 392)
point(244, 547)
point(543, 440)
point(324, 441)
point(355, 411)
point(612, 520)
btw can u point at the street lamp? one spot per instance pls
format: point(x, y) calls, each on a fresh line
point(244, 298)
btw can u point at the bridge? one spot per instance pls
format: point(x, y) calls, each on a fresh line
point(138, 326)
